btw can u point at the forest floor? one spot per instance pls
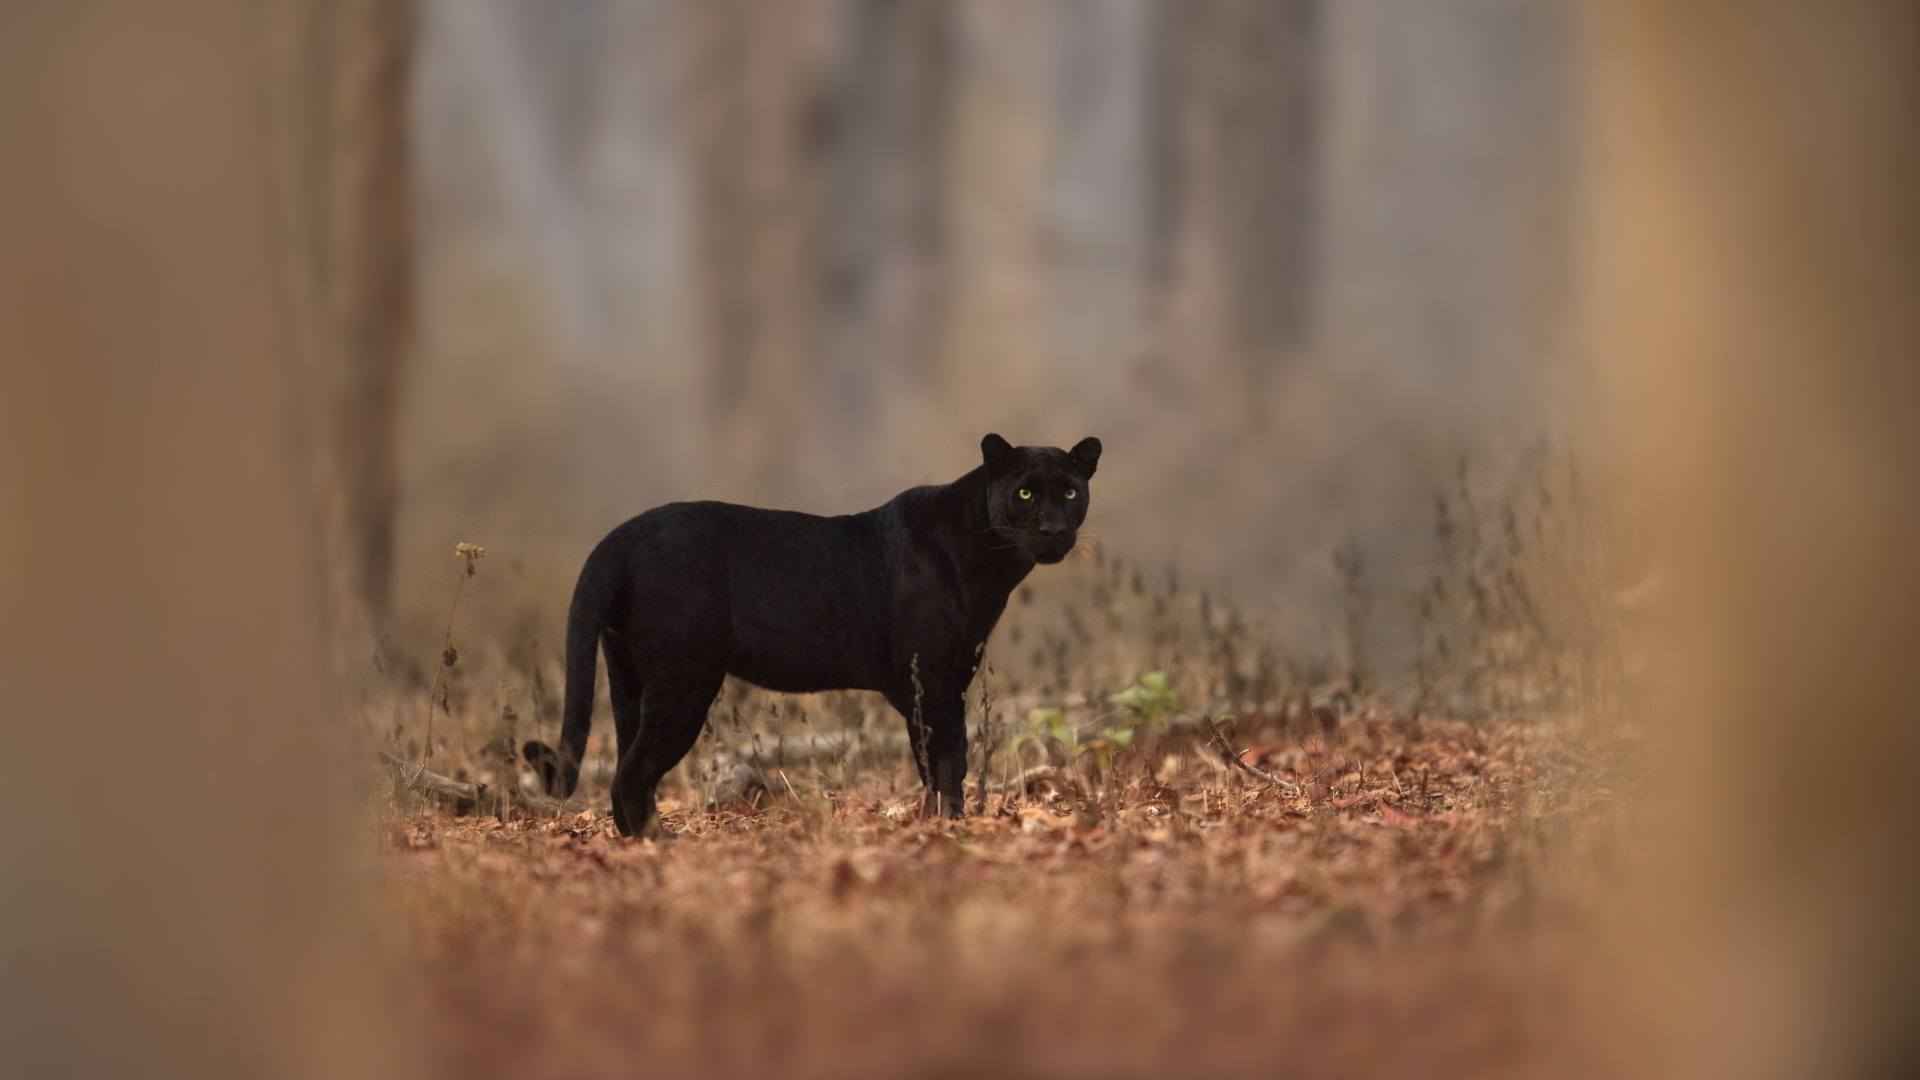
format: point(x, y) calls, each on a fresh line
point(1408, 910)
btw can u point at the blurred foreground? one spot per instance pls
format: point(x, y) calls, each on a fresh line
point(1400, 916)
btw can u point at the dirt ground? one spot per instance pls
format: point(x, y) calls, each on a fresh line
point(1402, 912)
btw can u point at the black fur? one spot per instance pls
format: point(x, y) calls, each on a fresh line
point(688, 593)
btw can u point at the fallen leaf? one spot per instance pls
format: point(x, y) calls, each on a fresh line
point(1395, 818)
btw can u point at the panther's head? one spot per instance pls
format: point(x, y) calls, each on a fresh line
point(1037, 495)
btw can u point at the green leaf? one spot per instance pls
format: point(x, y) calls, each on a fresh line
point(1044, 724)
point(1149, 700)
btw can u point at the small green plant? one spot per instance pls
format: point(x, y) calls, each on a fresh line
point(1149, 701)
point(1106, 744)
point(1042, 725)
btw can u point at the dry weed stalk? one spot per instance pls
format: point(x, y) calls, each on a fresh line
point(920, 738)
point(448, 657)
point(989, 733)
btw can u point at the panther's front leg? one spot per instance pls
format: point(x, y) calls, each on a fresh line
point(939, 738)
point(948, 759)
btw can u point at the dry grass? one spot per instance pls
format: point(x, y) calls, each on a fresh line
point(1391, 918)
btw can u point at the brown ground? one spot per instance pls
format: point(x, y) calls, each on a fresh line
point(1399, 917)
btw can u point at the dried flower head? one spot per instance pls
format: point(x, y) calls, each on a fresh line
point(470, 552)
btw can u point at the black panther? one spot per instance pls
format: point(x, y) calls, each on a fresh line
point(688, 593)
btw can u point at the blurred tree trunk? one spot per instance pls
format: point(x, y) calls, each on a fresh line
point(762, 124)
point(367, 277)
point(164, 640)
point(893, 100)
point(817, 133)
point(1757, 243)
point(1237, 160)
point(994, 369)
point(345, 193)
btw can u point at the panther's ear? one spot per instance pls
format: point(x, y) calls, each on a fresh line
point(1085, 455)
point(997, 452)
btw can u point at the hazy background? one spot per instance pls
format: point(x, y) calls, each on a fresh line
point(1293, 261)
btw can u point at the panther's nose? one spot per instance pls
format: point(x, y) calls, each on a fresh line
point(1052, 528)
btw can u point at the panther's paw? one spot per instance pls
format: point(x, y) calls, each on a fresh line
point(558, 776)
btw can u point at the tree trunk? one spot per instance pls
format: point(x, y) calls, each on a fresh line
point(1238, 133)
point(885, 272)
point(369, 278)
point(762, 125)
point(345, 189)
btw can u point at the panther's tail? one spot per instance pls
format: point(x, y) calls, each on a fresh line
point(593, 599)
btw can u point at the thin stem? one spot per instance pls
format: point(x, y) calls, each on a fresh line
point(920, 749)
point(469, 552)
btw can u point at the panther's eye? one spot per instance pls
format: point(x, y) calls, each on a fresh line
point(1025, 494)
point(1072, 494)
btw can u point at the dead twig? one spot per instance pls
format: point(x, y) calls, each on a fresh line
point(463, 798)
point(989, 732)
point(1233, 758)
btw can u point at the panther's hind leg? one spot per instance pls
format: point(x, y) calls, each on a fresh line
point(674, 710)
point(625, 687)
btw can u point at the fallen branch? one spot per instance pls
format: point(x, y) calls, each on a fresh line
point(783, 752)
point(741, 779)
point(463, 798)
point(739, 785)
point(1024, 783)
point(780, 752)
point(1234, 759)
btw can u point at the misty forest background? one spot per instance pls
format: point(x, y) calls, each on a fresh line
point(1294, 261)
